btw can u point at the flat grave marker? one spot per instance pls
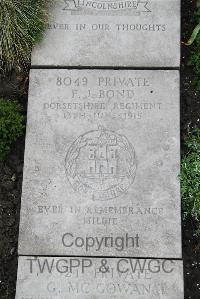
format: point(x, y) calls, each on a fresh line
point(101, 164)
point(88, 278)
point(111, 33)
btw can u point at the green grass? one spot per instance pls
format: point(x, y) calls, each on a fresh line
point(190, 177)
point(11, 125)
point(21, 26)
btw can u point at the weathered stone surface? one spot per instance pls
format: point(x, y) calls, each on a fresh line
point(112, 33)
point(82, 278)
point(102, 164)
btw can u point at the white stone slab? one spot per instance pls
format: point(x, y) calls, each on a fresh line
point(82, 278)
point(102, 164)
point(111, 33)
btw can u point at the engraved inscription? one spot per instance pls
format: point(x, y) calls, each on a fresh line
point(96, 278)
point(101, 164)
point(109, 97)
point(106, 7)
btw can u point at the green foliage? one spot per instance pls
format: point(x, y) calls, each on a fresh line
point(195, 62)
point(195, 51)
point(190, 176)
point(21, 26)
point(194, 35)
point(11, 125)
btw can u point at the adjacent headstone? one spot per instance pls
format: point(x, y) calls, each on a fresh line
point(88, 278)
point(102, 164)
point(112, 33)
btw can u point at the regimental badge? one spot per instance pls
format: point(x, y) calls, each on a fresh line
point(101, 164)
